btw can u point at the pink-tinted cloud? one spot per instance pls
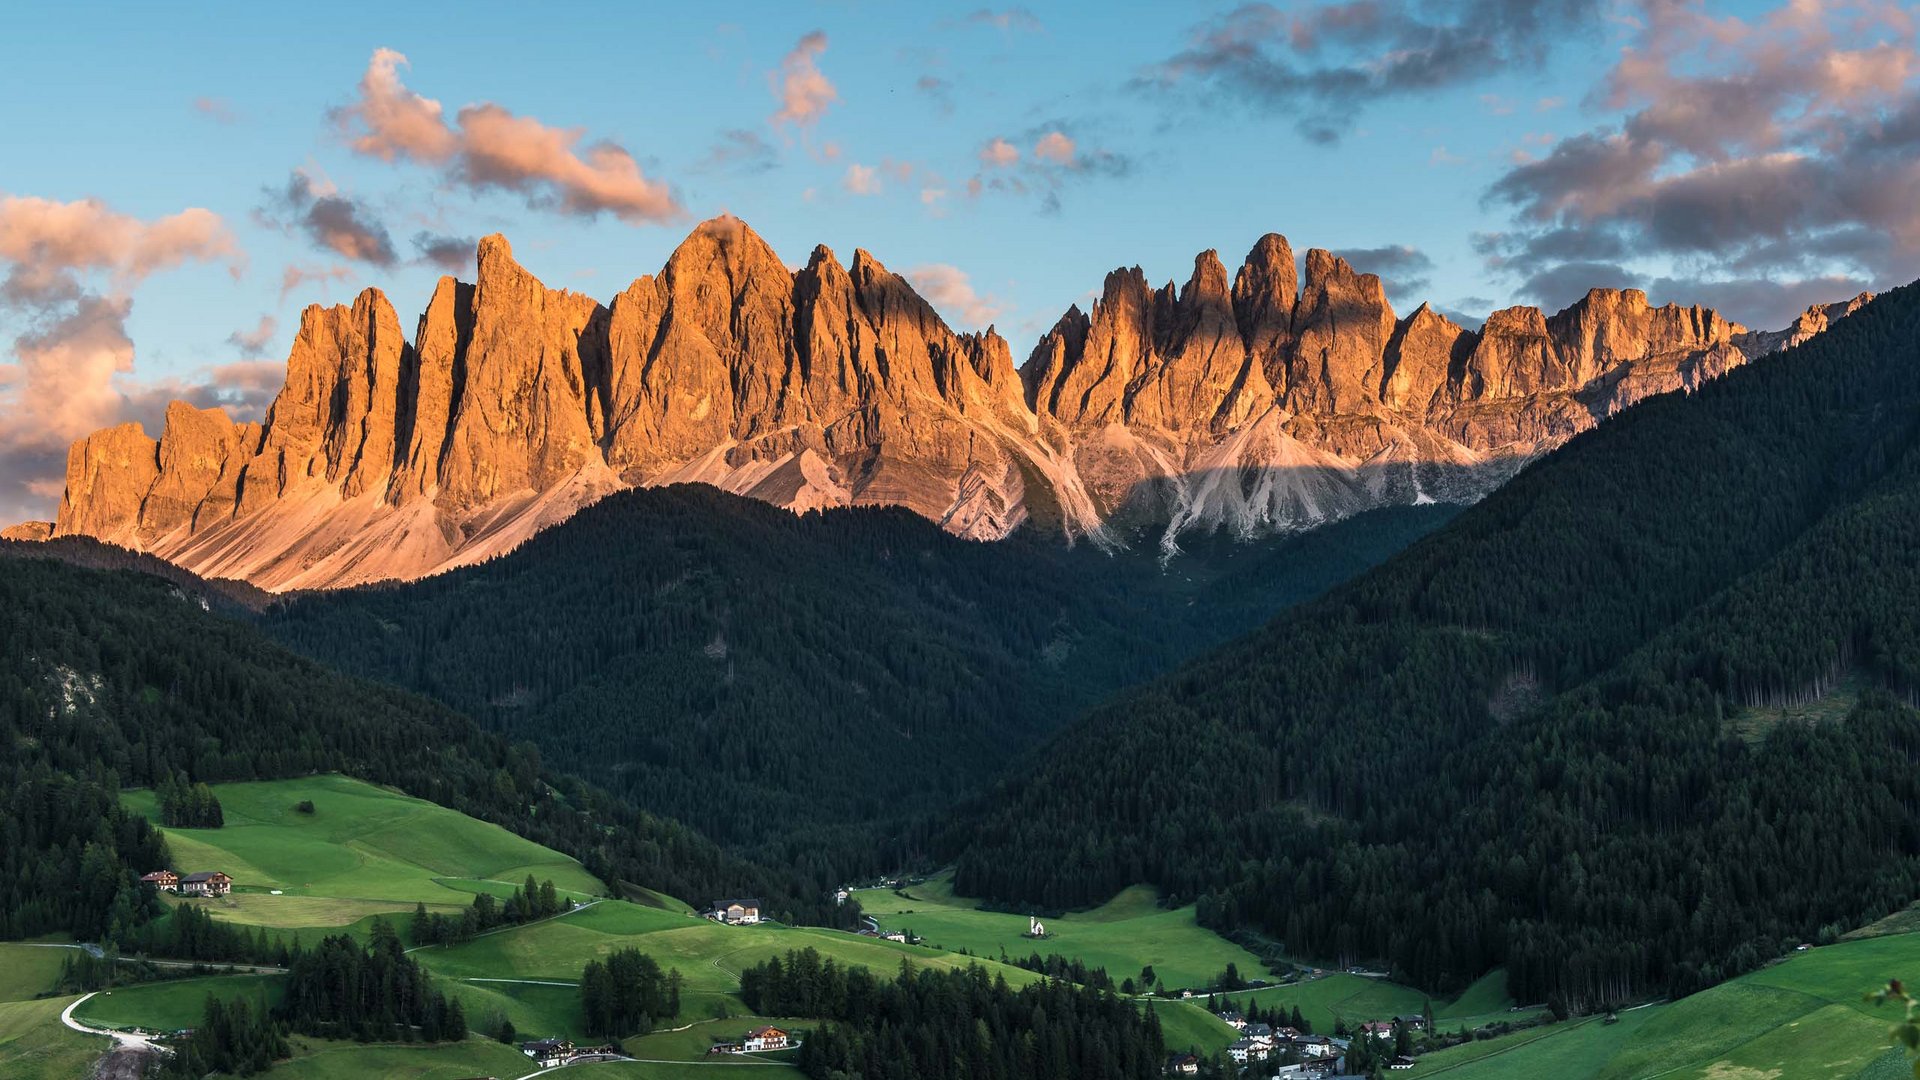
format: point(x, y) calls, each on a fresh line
point(487, 147)
point(861, 180)
point(999, 154)
point(218, 110)
point(1055, 147)
point(298, 277)
point(1780, 148)
point(804, 93)
point(949, 289)
point(70, 271)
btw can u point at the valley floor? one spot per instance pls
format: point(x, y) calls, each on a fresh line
point(365, 853)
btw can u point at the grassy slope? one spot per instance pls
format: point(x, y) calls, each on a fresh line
point(27, 971)
point(1122, 935)
point(367, 849)
point(319, 1059)
point(365, 852)
point(1804, 1017)
point(34, 1045)
point(176, 1003)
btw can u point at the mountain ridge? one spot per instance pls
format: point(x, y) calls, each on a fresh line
point(1264, 402)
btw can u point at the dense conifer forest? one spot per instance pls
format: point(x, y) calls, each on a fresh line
point(784, 681)
point(115, 678)
point(953, 1024)
point(1554, 735)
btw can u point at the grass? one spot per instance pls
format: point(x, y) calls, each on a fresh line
point(172, 1004)
point(1803, 1017)
point(1123, 935)
point(364, 850)
point(1187, 1026)
point(708, 955)
point(691, 1042)
point(27, 971)
point(537, 1012)
point(34, 1045)
point(320, 1059)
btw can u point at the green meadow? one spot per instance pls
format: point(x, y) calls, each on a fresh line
point(367, 852)
point(1123, 935)
point(320, 1059)
point(1335, 997)
point(362, 851)
point(173, 1004)
point(35, 1046)
point(27, 971)
point(1802, 1017)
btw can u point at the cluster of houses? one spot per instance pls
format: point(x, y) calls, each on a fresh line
point(759, 1040)
point(203, 883)
point(734, 912)
point(553, 1053)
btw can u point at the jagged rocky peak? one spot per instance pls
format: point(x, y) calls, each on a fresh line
point(1341, 327)
point(1255, 401)
point(1428, 354)
point(1264, 293)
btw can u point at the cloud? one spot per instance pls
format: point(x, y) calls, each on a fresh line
point(938, 89)
point(219, 110)
point(450, 253)
point(999, 154)
point(298, 277)
point(948, 289)
point(254, 343)
point(1055, 147)
point(1405, 271)
point(1004, 20)
point(1783, 148)
point(1323, 63)
point(861, 180)
point(740, 151)
point(334, 222)
point(803, 92)
point(488, 148)
point(70, 271)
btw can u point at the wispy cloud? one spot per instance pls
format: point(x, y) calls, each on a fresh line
point(488, 148)
point(804, 93)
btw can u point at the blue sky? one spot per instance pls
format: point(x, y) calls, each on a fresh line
point(1172, 128)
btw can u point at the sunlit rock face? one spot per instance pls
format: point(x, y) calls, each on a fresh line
point(1257, 401)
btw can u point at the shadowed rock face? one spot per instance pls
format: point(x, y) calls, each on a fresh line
point(1251, 401)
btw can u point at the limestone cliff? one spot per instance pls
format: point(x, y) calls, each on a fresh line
point(1254, 401)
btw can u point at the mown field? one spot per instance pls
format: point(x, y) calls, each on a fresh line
point(1339, 996)
point(1802, 1017)
point(33, 1044)
point(364, 850)
point(1127, 933)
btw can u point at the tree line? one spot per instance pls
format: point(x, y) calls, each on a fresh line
point(111, 678)
point(953, 1024)
point(527, 903)
point(1557, 735)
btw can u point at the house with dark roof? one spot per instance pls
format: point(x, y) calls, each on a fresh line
point(734, 912)
point(206, 883)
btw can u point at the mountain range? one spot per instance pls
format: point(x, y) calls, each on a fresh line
point(1265, 402)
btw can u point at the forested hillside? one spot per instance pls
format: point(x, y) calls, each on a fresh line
point(809, 688)
point(1559, 734)
point(111, 678)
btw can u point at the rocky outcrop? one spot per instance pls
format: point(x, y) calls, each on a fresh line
point(1253, 401)
point(32, 531)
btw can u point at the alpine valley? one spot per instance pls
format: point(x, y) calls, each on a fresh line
point(572, 635)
